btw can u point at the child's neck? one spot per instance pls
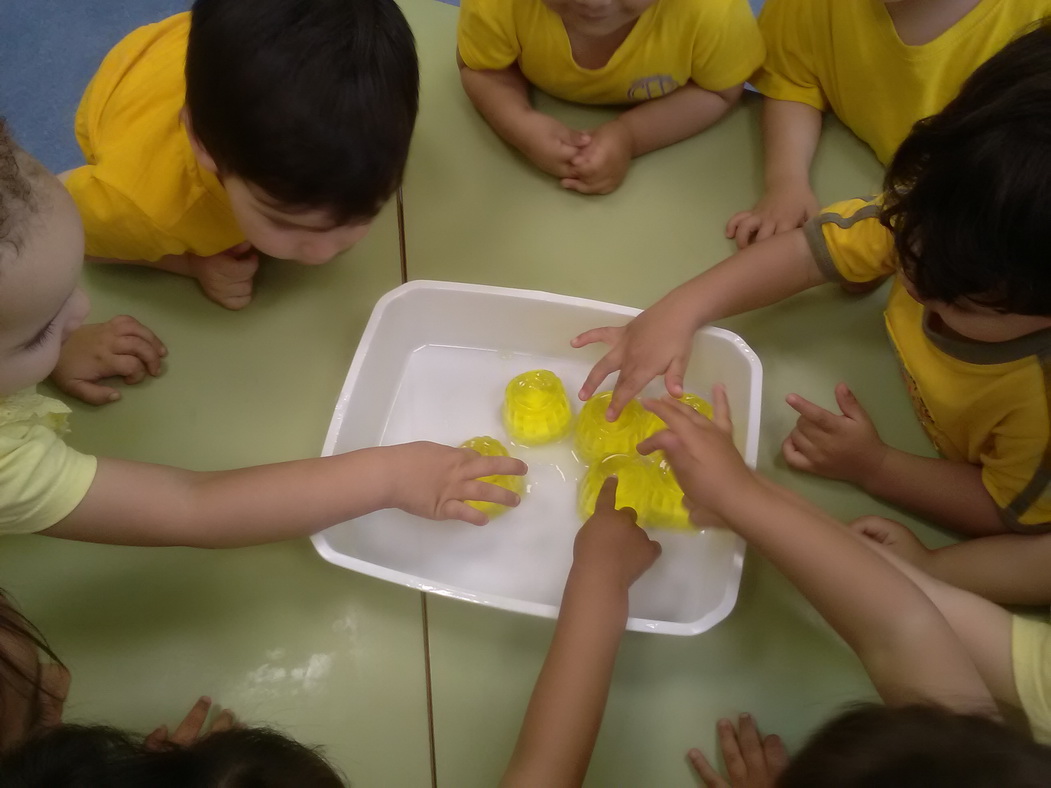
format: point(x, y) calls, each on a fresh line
point(595, 51)
point(919, 22)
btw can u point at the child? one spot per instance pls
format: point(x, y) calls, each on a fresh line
point(940, 655)
point(879, 66)
point(275, 127)
point(963, 221)
point(681, 64)
point(50, 488)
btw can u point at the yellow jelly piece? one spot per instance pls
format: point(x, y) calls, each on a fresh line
point(636, 478)
point(536, 408)
point(654, 423)
point(666, 509)
point(597, 438)
point(491, 447)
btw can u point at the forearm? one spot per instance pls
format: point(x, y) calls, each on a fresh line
point(142, 504)
point(909, 650)
point(760, 275)
point(172, 263)
point(791, 131)
point(501, 97)
point(1011, 569)
point(949, 493)
point(684, 112)
point(565, 710)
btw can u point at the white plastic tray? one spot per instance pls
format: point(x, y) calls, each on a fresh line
point(432, 365)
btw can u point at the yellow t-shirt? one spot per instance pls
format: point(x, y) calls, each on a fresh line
point(142, 194)
point(986, 403)
point(41, 478)
point(1031, 661)
point(845, 55)
point(714, 43)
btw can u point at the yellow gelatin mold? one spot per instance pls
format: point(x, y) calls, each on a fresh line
point(654, 424)
point(536, 408)
point(491, 447)
point(666, 509)
point(636, 478)
point(597, 438)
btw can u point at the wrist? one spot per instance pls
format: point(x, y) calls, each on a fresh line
point(593, 580)
point(783, 179)
point(626, 128)
point(872, 476)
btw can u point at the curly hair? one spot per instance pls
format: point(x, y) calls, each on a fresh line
point(16, 191)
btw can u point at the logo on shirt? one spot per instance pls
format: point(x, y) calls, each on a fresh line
point(923, 413)
point(652, 87)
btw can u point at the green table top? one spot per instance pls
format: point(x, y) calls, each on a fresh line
point(341, 660)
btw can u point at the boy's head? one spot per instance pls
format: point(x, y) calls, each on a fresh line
point(598, 18)
point(41, 254)
point(305, 109)
point(917, 747)
point(968, 198)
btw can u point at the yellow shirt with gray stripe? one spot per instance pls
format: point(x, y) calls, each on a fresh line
point(986, 403)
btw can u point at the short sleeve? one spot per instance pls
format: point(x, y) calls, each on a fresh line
point(41, 478)
point(848, 242)
point(728, 53)
point(485, 34)
point(1031, 663)
point(1016, 472)
point(114, 227)
point(790, 31)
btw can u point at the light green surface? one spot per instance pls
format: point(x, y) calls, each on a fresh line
point(274, 632)
point(477, 212)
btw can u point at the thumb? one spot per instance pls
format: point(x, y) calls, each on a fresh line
point(240, 249)
point(578, 138)
point(849, 404)
point(91, 392)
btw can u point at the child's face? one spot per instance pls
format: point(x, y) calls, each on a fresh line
point(977, 322)
point(309, 237)
point(41, 303)
point(597, 18)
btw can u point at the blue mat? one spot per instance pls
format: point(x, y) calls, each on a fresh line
point(51, 49)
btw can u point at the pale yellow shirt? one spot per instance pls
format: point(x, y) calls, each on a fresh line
point(986, 403)
point(142, 194)
point(1031, 662)
point(714, 43)
point(41, 478)
point(845, 55)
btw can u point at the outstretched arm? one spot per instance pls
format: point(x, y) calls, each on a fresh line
point(565, 711)
point(910, 651)
point(134, 503)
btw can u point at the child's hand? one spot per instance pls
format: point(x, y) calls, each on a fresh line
point(433, 481)
point(226, 278)
point(895, 537)
point(611, 544)
point(706, 463)
point(603, 162)
point(551, 145)
point(752, 760)
point(120, 347)
point(657, 342)
point(190, 728)
point(779, 210)
point(843, 447)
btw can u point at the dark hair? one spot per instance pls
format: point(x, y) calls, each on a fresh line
point(76, 756)
point(16, 192)
point(968, 194)
point(312, 101)
point(874, 746)
point(14, 678)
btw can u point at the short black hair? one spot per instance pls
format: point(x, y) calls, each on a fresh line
point(917, 746)
point(90, 756)
point(312, 101)
point(968, 194)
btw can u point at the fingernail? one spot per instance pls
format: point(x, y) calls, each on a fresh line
point(746, 716)
point(114, 396)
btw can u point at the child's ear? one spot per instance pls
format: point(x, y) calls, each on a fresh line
point(203, 157)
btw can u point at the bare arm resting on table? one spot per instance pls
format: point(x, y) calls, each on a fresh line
point(565, 711)
point(134, 503)
point(909, 650)
point(791, 131)
point(658, 342)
